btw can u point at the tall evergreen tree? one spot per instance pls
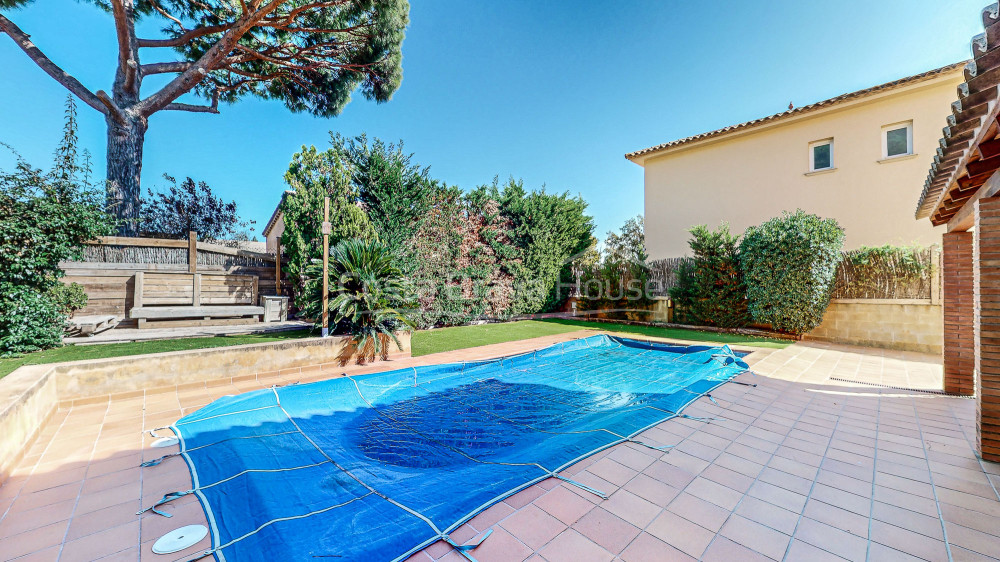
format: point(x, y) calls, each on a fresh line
point(395, 191)
point(310, 54)
point(710, 288)
point(314, 175)
point(549, 230)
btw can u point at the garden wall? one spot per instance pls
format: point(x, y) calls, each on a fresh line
point(911, 325)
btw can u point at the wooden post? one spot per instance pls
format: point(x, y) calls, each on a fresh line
point(326, 266)
point(935, 275)
point(137, 295)
point(196, 290)
point(137, 291)
point(277, 269)
point(192, 251)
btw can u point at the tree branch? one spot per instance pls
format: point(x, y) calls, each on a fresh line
point(174, 106)
point(214, 108)
point(124, 28)
point(192, 76)
point(165, 67)
point(112, 108)
point(23, 40)
point(184, 37)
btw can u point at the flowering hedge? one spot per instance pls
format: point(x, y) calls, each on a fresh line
point(490, 253)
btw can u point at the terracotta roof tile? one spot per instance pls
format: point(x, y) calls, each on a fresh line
point(800, 110)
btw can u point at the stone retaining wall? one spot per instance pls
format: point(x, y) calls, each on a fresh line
point(30, 394)
point(911, 325)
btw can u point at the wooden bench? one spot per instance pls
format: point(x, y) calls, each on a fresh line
point(195, 299)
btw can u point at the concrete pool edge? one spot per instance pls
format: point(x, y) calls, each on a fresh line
point(32, 393)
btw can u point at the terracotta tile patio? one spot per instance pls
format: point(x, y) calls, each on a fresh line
point(804, 466)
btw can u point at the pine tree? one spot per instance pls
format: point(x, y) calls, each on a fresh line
point(310, 54)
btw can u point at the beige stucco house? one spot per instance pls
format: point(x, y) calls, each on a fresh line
point(275, 226)
point(854, 158)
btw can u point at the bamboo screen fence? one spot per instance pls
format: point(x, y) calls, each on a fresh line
point(899, 273)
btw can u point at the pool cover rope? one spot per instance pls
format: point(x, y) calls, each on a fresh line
point(212, 551)
point(154, 435)
point(157, 461)
point(463, 550)
point(168, 497)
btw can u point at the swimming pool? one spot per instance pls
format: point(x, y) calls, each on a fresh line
point(377, 467)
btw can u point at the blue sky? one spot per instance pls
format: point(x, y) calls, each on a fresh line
point(551, 92)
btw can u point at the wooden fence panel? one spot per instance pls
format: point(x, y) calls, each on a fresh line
point(107, 274)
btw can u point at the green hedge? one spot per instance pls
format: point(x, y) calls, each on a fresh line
point(789, 263)
point(490, 253)
point(710, 289)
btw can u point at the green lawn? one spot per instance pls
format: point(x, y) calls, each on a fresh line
point(460, 337)
point(101, 351)
point(424, 341)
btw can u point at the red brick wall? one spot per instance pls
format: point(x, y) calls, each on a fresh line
point(957, 286)
point(986, 257)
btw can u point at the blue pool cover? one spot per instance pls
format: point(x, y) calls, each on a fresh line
point(376, 467)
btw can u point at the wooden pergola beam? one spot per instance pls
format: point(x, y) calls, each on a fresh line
point(972, 124)
point(981, 168)
point(989, 149)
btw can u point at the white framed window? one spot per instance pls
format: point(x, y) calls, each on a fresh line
point(897, 140)
point(821, 155)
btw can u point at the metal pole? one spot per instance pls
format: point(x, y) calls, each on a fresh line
point(326, 266)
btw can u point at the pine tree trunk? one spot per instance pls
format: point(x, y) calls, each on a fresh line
point(124, 168)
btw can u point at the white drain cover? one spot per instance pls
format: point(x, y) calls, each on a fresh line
point(179, 539)
point(165, 442)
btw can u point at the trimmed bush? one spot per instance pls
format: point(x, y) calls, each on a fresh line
point(710, 289)
point(69, 297)
point(788, 264)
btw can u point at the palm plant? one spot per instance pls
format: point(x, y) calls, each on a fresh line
point(366, 286)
